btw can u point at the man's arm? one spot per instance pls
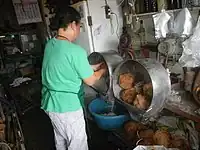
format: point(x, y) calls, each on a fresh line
point(85, 70)
point(96, 76)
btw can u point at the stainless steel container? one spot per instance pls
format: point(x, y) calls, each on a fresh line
point(104, 85)
point(147, 70)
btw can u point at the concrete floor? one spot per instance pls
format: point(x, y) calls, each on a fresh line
point(38, 133)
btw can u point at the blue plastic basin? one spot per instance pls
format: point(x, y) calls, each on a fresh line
point(97, 107)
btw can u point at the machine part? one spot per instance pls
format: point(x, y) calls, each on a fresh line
point(135, 41)
point(147, 70)
point(124, 48)
point(125, 39)
point(169, 47)
point(89, 20)
point(107, 11)
point(170, 51)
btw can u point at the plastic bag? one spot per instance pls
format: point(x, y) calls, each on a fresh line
point(161, 24)
point(191, 49)
point(183, 23)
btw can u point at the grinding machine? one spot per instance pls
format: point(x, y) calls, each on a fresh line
point(145, 70)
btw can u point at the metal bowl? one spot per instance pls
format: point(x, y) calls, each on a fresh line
point(112, 60)
point(104, 85)
point(147, 70)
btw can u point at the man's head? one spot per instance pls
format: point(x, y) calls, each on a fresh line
point(96, 60)
point(68, 22)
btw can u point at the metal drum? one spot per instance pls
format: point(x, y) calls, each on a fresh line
point(147, 70)
point(104, 85)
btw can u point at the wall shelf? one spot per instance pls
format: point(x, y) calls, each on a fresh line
point(174, 10)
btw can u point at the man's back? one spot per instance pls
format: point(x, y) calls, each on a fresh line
point(62, 73)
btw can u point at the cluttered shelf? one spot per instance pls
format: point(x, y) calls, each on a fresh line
point(174, 10)
point(26, 95)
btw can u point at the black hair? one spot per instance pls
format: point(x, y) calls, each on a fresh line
point(95, 58)
point(64, 17)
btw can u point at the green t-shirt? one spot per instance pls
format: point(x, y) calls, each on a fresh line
point(64, 66)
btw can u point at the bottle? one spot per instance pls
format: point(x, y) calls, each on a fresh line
point(170, 4)
point(141, 6)
point(141, 32)
point(137, 7)
point(177, 4)
point(162, 4)
point(154, 7)
point(147, 4)
point(184, 3)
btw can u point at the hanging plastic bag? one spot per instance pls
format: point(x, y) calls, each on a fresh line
point(183, 23)
point(160, 23)
point(191, 49)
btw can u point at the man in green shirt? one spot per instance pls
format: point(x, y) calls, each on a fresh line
point(65, 67)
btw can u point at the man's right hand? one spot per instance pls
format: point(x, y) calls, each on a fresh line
point(96, 67)
point(97, 75)
point(102, 70)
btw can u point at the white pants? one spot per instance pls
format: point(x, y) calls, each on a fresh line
point(69, 130)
